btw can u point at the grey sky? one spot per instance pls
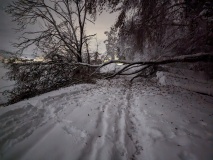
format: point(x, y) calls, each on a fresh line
point(6, 26)
point(102, 24)
point(7, 34)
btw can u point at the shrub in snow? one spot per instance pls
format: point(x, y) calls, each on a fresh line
point(36, 78)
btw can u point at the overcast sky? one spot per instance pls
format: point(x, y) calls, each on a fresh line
point(7, 34)
point(102, 24)
point(6, 26)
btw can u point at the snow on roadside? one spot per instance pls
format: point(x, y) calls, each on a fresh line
point(174, 123)
point(191, 83)
point(110, 120)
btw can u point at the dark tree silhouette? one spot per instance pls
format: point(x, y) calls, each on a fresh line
point(62, 26)
point(160, 27)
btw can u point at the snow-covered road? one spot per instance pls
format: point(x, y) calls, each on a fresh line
point(113, 120)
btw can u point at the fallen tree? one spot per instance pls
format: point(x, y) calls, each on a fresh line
point(147, 68)
point(35, 78)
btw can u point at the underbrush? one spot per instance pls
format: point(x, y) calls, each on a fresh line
point(37, 78)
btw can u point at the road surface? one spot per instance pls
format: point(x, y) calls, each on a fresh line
point(112, 120)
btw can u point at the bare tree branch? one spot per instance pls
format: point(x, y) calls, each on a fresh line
point(199, 57)
point(63, 23)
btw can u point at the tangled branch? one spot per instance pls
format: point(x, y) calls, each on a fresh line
point(147, 68)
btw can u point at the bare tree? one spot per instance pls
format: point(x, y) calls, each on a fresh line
point(60, 35)
point(62, 26)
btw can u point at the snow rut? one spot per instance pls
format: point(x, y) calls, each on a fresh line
point(18, 124)
point(99, 143)
point(110, 140)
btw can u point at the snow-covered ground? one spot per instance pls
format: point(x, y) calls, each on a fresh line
point(112, 120)
point(190, 80)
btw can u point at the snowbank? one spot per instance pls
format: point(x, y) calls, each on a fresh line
point(191, 81)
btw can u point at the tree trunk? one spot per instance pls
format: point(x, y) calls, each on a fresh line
point(88, 55)
point(79, 59)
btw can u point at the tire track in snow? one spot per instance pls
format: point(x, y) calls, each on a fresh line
point(120, 151)
point(103, 127)
point(105, 143)
point(55, 117)
point(122, 129)
point(131, 126)
point(109, 140)
point(122, 145)
point(18, 124)
point(98, 140)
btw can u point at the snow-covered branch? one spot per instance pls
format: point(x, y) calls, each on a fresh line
point(199, 57)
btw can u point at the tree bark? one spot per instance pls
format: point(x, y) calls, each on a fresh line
point(79, 59)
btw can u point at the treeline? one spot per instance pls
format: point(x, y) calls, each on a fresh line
point(156, 28)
